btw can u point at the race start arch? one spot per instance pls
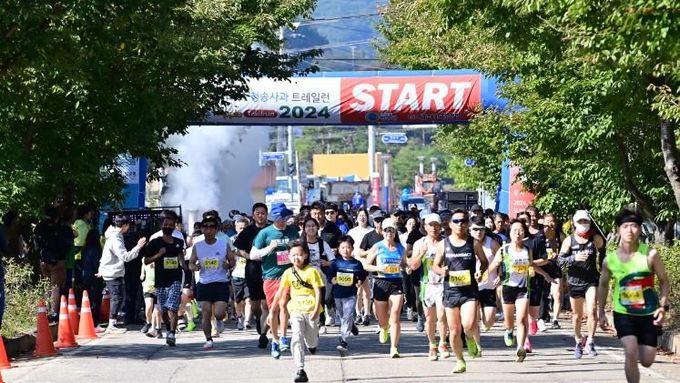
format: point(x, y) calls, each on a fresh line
point(362, 98)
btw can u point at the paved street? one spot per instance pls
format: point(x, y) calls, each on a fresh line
point(134, 358)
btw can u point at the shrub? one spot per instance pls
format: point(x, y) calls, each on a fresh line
point(22, 297)
point(671, 260)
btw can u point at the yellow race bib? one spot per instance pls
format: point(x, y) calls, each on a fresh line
point(631, 296)
point(391, 269)
point(241, 262)
point(460, 278)
point(170, 263)
point(344, 279)
point(211, 263)
point(520, 269)
point(302, 303)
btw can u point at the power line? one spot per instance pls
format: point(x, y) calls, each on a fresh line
point(313, 21)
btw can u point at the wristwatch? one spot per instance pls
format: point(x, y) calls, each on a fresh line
point(666, 308)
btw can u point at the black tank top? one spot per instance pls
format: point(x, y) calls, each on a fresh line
point(461, 262)
point(583, 273)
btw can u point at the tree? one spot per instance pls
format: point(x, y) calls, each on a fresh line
point(84, 82)
point(592, 90)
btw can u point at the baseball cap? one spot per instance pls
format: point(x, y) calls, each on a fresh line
point(476, 207)
point(389, 222)
point(431, 218)
point(476, 222)
point(379, 215)
point(280, 212)
point(581, 214)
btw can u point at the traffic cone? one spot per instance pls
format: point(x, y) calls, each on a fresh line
point(86, 329)
point(1, 381)
point(4, 360)
point(65, 338)
point(105, 307)
point(72, 311)
point(43, 341)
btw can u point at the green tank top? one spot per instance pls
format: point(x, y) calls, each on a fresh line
point(633, 283)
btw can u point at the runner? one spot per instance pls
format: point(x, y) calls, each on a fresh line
point(432, 286)
point(358, 233)
point(167, 255)
point(346, 275)
point(320, 255)
point(487, 287)
point(553, 240)
point(238, 281)
point(515, 276)
point(580, 254)
point(152, 313)
point(455, 261)
point(254, 283)
point(211, 258)
point(638, 311)
point(302, 283)
point(270, 246)
point(389, 258)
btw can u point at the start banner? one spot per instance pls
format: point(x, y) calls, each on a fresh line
point(388, 98)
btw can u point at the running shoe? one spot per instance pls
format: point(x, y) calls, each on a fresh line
point(170, 339)
point(323, 330)
point(555, 325)
point(194, 308)
point(409, 314)
point(527, 346)
point(354, 330)
point(433, 354)
point(578, 350)
point(358, 318)
point(460, 367)
point(342, 346)
point(444, 351)
point(301, 376)
point(112, 329)
point(239, 324)
point(487, 328)
point(159, 333)
point(509, 338)
point(384, 336)
point(284, 344)
point(181, 324)
point(542, 326)
point(521, 355)
point(263, 341)
point(208, 345)
point(472, 349)
point(394, 353)
point(145, 328)
point(366, 321)
point(220, 327)
point(591, 349)
point(191, 326)
point(420, 325)
point(533, 327)
point(276, 353)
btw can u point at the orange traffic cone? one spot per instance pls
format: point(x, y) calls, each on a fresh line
point(86, 329)
point(105, 307)
point(65, 338)
point(72, 311)
point(4, 360)
point(1, 381)
point(43, 341)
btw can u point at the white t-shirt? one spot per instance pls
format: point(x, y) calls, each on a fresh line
point(357, 233)
point(211, 258)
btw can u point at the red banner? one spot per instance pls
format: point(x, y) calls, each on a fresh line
point(519, 199)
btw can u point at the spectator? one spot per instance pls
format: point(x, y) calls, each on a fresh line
point(92, 282)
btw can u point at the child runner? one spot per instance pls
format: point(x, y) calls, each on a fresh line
point(346, 274)
point(303, 282)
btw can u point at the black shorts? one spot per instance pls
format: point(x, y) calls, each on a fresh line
point(539, 288)
point(453, 299)
point(579, 291)
point(254, 281)
point(151, 295)
point(240, 289)
point(383, 288)
point(512, 293)
point(212, 292)
point(487, 298)
point(640, 326)
point(553, 269)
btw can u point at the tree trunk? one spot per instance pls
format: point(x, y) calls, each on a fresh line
point(669, 148)
point(642, 200)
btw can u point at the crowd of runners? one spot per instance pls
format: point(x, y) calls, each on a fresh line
point(455, 273)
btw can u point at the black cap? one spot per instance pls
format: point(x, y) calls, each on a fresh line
point(476, 207)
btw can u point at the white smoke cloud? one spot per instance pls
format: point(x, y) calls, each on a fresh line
point(220, 165)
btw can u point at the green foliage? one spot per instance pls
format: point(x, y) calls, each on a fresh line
point(22, 297)
point(595, 82)
point(84, 82)
point(405, 164)
point(671, 260)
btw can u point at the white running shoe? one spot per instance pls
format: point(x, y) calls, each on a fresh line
point(208, 345)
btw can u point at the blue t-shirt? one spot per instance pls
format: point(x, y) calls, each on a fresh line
point(346, 272)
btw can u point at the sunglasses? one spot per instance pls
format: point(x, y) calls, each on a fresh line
point(477, 229)
point(329, 212)
point(459, 221)
point(390, 230)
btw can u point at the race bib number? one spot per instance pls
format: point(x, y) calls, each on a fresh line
point(170, 263)
point(520, 269)
point(211, 263)
point(282, 258)
point(344, 279)
point(304, 303)
point(631, 296)
point(485, 276)
point(241, 262)
point(391, 269)
point(460, 278)
point(551, 253)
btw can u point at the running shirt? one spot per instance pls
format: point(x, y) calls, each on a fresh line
point(347, 272)
point(358, 233)
point(167, 268)
point(488, 277)
point(276, 262)
point(428, 276)
point(148, 284)
point(211, 258)
point(316, 255)
point(461, 262)
point(516, 266)
point(389, 260)
point(239, 270)
point(581, 273)
point(633, 283)
point(302, 297)
point(244, 241)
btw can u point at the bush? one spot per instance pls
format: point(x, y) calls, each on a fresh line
point(22, 297)
point(671, 260)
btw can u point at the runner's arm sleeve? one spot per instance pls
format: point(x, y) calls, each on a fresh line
point(565, 260)
point(258, 254)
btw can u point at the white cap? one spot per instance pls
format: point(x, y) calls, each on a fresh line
point(432, 217)
point(389, 222)
point(581, 214)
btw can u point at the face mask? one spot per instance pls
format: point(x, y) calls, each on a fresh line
point(167, 231)
point(581, 228)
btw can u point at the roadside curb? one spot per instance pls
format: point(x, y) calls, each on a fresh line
point(669, 341)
